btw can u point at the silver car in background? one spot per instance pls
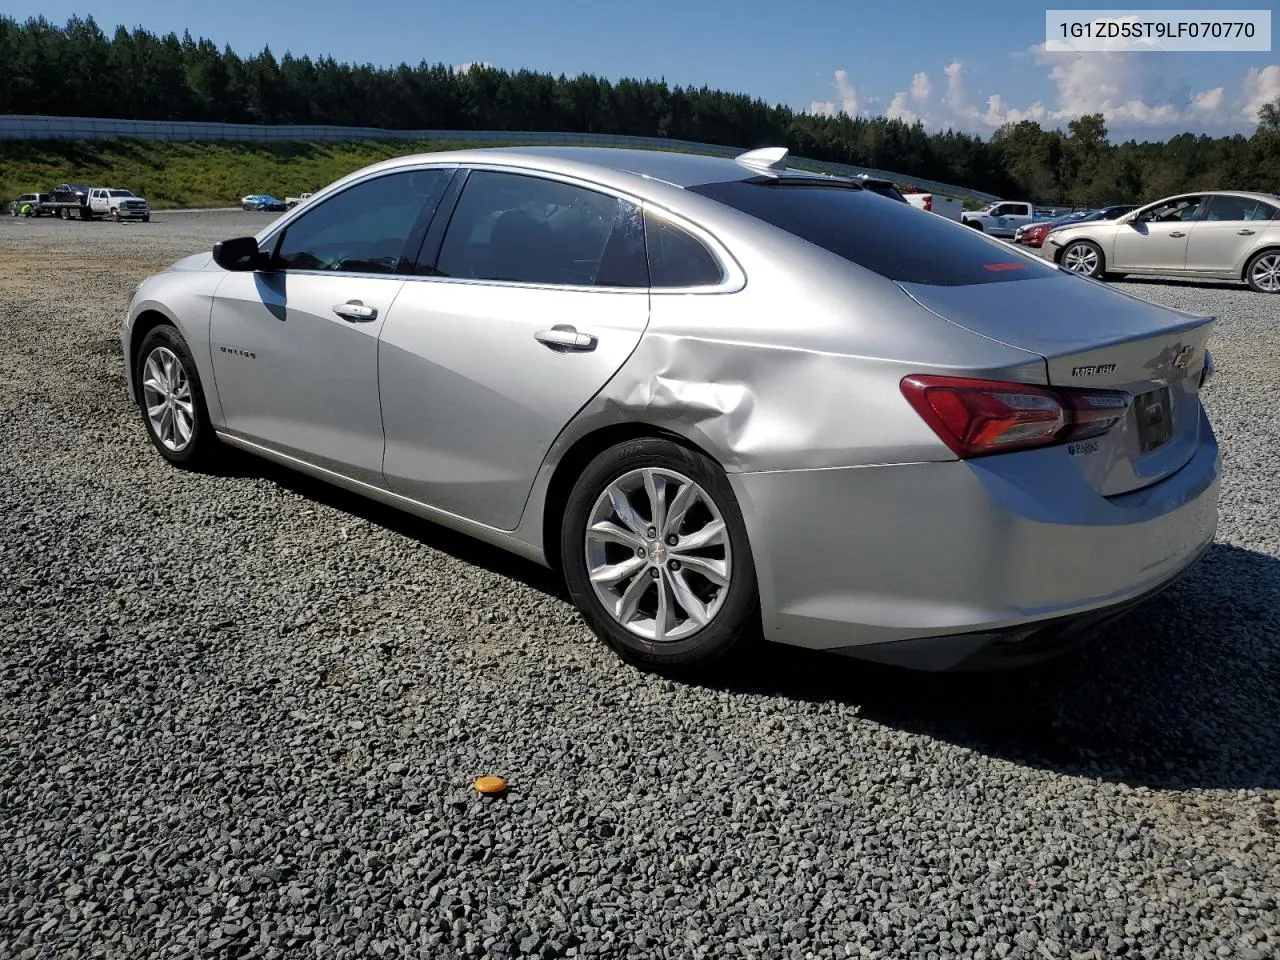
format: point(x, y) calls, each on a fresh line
point(727, 400)
point(1214, 234)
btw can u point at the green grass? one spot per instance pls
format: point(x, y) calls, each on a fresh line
point(205, 174)
point(171, 174)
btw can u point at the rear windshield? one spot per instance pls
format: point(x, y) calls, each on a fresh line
point(895, 240)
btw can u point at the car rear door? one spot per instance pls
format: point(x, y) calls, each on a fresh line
point(295, 347)
point(525, 306)
point(1156, 240)
point(1223, 239)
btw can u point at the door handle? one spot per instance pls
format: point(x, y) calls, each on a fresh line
point(1177, 233)
point(355, 311)
point(1245, 233)
point(565, 337)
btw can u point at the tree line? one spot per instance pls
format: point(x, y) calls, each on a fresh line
point(78, 70)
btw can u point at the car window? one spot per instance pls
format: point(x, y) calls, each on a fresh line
point(1231, 208)
point(890, 239)
point(1263, 211)
point(1183, 208)
point(677, 259)
point(526, 229)
point(363, 229)
point(119, 193)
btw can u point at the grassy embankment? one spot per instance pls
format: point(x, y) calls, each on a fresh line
point(210, 174)
point(171, 174)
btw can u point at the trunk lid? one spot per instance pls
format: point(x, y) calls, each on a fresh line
point(1092, 337)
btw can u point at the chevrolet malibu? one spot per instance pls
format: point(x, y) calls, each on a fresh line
point(726, 399)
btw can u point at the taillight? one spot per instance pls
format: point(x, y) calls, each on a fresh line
point(928, 201)
point(979, 417)
point(1206, 374)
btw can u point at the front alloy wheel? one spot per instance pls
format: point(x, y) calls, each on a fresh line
point(655, 555)
point(1083, 258)
point(1263, 273)
point(172, 399)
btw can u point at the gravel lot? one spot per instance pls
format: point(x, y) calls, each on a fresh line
point(240, 714)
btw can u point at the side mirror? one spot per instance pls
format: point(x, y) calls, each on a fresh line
point(240, 253)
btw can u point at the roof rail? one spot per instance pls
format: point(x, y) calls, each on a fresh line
point(766, 158)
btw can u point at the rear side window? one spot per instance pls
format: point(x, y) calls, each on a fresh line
point(677, 259)
point(895, 240)
point(525, 229)
point(1238, 208)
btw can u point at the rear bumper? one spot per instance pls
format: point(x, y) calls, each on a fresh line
point(960, 556)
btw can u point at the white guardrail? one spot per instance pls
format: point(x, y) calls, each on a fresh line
point(24, 127)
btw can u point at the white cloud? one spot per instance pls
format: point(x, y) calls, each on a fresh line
point(847, 94)
point(1260, 88)
point(999, 113)
point(1210, 101)
point(955, 86)
point(460, 68)
point(898, 109)
point(920, 87)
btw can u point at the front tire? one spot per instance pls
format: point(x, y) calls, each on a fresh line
point(656, 558)
point(1263, 272)
point(1085, 258)
point(171, 399)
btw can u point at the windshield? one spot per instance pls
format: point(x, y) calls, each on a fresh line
point(892, 239)
point(119, 193)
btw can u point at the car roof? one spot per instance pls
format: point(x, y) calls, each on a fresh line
point(1251, 194)
point(615, 166)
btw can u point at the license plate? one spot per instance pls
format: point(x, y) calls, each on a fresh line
point(1155, 418)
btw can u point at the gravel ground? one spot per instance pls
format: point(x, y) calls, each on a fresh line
point(241, 713)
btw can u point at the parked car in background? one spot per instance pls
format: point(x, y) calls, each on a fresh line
point(35, 201)
point(1033, 234)
point(590, 357)
point(948, 207)
point(886, 188)
point(999, 219)
point(291, 202)
point(262, 201)
point(118, 204)
point(1213, 234)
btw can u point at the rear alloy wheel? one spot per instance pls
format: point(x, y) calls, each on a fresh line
point(1263, 272)
point(172, 398)
point(1085, 258)
point(655, 556)
point(115, 215)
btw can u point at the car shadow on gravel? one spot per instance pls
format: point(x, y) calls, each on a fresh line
point(1240, 287)
point(1184, 692)
point(235, 463)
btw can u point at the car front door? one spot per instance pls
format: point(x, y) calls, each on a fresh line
point(537, 295)
point(1227, 234)
point(295, 345)
point(1155, 241)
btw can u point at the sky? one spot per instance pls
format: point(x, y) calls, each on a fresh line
point(967, 65)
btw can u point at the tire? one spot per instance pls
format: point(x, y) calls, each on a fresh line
point(165, 345)
point(115, 215)
point(146, 218)
point(692, 645)
point(1085, 258)
point(974, 224)
point(1263, 272)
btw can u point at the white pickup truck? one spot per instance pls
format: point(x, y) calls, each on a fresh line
point(1001, 219)
point(948, 207)
point(292, 202)
point(117, 204)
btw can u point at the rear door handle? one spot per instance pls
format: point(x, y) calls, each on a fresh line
point(1245, 233)
point(356, 312)
point(565, 337)
point(1177, 233)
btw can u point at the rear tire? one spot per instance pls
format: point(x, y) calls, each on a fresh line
point(975, 224)
point(1085, 258)
point(115, 215)
point(659, 597)
point(171, 399)
point(1263, 272)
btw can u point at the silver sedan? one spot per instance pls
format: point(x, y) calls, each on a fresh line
point(728, 400)
point(1222, 235)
